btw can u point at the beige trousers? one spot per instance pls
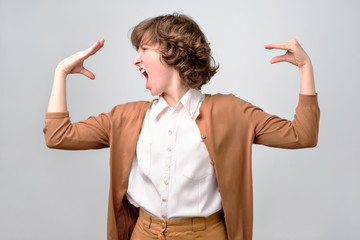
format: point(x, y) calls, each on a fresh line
point(200, 228)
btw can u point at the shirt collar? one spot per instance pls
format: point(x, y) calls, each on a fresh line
point(190, 101)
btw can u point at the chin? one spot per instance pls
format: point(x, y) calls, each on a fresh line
point(154, 94)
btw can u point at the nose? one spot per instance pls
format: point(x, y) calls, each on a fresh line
point(137, 59)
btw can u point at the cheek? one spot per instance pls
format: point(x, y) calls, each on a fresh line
point(157, 69)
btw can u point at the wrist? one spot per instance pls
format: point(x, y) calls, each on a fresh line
point(60, 71)
point(307, 83)
point(307, 65)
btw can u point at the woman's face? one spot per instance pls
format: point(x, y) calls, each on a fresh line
point(158, 74)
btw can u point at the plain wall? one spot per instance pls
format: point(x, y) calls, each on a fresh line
point(310, 194)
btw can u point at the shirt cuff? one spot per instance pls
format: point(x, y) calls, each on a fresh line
point(56, 115)
point(308, 100)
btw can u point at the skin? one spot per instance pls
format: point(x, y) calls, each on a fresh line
point(161, 79)
point(296, 55)
point(72, 64)
point(165, 80)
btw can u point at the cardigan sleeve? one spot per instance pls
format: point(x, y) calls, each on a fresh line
point(301, 132)
point(92, 133)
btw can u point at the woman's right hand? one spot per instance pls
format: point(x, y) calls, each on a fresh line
point(75, 63)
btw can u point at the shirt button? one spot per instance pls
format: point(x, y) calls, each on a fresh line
point(170, 132)
point(203, 136)
point(169, 149)
point(166, 182)
point(163, 216)
point(164, 199)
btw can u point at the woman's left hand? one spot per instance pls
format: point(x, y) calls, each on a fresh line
point(295, 54)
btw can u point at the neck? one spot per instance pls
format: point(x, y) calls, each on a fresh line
point(174, 97)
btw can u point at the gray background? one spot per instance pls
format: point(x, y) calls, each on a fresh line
point(298, 194)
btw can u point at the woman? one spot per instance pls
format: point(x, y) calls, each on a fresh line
point(180, 165)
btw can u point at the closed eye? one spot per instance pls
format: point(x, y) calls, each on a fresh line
point(143, 48)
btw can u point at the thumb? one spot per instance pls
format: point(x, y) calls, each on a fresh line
point(283, 58)
point(87, 73)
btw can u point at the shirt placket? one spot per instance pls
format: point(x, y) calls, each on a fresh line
point(170, 141)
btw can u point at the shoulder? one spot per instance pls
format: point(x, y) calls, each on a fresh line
point(136, 105)
point(223, 100)
point(130, 109)
point(228, 105)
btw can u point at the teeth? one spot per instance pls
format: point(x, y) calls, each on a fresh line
point(142, 71)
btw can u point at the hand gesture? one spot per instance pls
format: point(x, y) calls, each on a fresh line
point(295, 54)
point(75, 63)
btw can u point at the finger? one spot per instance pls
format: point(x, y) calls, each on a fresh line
point(281, 46)
point(291, 45)
point(97, 46)
point(87, 73)
point(277, 59)
point(93, 49)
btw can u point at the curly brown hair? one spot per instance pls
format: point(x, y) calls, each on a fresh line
point(182, 45)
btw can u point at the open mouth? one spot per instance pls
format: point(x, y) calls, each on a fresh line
point(143, 72)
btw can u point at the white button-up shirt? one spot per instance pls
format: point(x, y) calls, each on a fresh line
point(172, 176)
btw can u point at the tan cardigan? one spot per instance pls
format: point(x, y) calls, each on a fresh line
point(228, 126)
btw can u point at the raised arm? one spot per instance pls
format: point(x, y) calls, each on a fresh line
point(59, 132)
point(296, 55)
point(302, 132)
point(72, 64)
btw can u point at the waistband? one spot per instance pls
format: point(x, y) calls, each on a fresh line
point(187, 224)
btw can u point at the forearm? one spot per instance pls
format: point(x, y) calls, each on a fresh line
point(307, 83)
point(72, 64)
point(57, 101)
